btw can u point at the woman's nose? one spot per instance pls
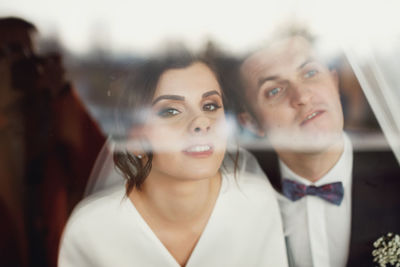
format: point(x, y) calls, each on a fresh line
point(200, 124)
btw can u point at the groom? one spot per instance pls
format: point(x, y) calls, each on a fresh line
point(335, 201)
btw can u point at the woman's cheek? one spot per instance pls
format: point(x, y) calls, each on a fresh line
point(164, 139)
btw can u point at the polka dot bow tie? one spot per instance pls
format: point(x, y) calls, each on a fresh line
point(332, 193)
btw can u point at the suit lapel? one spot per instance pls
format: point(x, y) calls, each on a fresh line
point(361, 189)
point(374, 198)
point(269, 163)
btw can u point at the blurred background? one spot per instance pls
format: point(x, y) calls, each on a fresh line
point(61, 63)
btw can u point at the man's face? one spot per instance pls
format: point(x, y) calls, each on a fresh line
point(295, 96)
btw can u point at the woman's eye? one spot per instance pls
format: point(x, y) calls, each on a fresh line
point(168, 112)
point(310, 73)
point(211, 107)
point(273, 91)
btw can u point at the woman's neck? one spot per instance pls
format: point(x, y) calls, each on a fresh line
point(176, 201)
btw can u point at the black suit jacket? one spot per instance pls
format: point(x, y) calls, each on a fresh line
point(375, 199)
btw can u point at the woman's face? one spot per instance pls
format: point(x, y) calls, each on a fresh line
point(186, 126)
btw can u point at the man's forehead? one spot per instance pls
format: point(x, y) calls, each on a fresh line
point(291, 49)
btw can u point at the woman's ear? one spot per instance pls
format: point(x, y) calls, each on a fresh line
point(135, 140)
point(250, 123)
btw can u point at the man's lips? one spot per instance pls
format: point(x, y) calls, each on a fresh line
point(311, 116)
point(201, 150)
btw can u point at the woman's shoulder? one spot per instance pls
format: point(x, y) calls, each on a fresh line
point(96, 209)
point(255, 182)
point(246, 171)
point(96, 222)
point(253, 188)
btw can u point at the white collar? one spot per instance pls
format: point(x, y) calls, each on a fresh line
point(340, 172)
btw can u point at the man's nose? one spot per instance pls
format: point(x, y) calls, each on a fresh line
point(300, 95)
point(200, 124)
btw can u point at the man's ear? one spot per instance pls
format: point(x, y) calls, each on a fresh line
point(250, 123)
point(335, 77)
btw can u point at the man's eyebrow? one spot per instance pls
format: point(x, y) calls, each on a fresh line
point(213, 92)
point(170, 97)
point(308, 60)
point(262, 80)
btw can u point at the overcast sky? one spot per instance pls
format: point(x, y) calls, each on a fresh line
point(141, 26)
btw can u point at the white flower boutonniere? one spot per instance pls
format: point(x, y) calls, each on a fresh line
point(387, 250)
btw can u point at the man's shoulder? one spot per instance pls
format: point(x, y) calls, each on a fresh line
point(268, 162)
point(374, 164)
point(376, 181)
point(375, 201)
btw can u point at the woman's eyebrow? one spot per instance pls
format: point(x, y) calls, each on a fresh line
point(213, 92)
point(181, 98)
point(170, 97)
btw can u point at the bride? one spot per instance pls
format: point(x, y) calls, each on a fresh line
point(178, 206)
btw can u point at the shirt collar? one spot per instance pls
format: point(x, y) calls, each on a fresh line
point(341, 171)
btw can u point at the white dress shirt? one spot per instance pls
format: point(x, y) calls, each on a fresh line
point(318, 232)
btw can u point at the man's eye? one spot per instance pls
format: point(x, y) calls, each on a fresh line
point(310, 74)
point(168, 112)
point(211, 107)
point(273, 92)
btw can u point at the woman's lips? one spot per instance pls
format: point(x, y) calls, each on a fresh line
point(311, 116)
point(201, 151)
